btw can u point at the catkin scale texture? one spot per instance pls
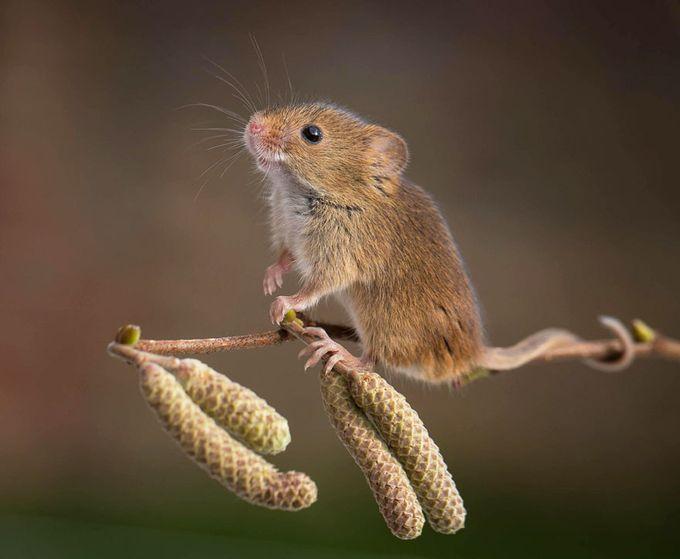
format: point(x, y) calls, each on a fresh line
point(393, 493)
point(409, 440)
point(240, 411)
point(236, 467)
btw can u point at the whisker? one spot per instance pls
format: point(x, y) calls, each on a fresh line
point(208, 169)
point(234, 130)
point(228, 144)
point(212, 166)
point(243, 90)
point(222, 110)
point(261, 63)
point(238, 95)
point(290, 83)
point(259, 94)
point(204, 140)
point(231, 162)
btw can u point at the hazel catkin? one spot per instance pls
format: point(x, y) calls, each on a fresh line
point(393, 493)
point(240, 411)
point(407, 437)
point(236, 467)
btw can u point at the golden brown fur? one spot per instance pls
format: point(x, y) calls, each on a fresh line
point(357, 229)
point(343, 214)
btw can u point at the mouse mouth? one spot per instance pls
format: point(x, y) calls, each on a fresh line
point(271, 158)
point(265, 156)
point(268, 159)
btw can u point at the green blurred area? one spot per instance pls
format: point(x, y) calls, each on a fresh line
point(500, 525)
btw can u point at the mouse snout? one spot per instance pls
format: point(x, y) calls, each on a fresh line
point(255, 127)
point(255, 133)
point(264, 140)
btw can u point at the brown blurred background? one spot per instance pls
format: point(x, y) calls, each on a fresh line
point(548, 132)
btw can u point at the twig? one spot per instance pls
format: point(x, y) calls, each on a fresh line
point(212, 345)
point(604, 350)
point(228, 343)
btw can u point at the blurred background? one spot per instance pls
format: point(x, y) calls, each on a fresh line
point(547, 131)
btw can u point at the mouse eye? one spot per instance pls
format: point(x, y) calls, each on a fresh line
point(312, 134)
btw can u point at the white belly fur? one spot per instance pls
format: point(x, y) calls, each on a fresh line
point(288, 208)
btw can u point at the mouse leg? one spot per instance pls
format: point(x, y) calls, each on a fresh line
point(307, 297)
point(326, 347)
point(282, 304)
point(273, 276)
point(314, 288)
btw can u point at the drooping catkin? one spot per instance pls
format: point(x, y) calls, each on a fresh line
point(238, 468)
point(396, 499)
point(409, 440)
point(240, 411)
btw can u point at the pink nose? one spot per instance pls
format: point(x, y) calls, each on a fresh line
point(255, 127)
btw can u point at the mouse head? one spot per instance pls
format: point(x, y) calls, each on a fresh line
point(327, 149)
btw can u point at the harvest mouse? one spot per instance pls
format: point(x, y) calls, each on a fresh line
point(347, 220)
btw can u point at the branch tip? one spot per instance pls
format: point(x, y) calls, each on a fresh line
point(128, 334)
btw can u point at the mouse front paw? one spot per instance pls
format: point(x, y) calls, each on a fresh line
point(273, 278)
point(279, 307)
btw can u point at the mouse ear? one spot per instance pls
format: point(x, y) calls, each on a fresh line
point(390, 153)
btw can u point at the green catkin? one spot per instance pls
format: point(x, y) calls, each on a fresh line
point(240, 411)
point(393, 493)
point(407, 437)
point(236, 467)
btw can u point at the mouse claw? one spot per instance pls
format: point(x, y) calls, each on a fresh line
point(278, 309)
point(273, 279)
point(332, 361)
point(309, 349)
point(316, 356)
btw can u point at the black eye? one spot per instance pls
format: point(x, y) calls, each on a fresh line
point(312, 134)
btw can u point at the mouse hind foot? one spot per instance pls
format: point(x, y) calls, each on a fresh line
point(327, 348)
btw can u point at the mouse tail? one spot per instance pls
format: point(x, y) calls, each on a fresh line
point(538, 344)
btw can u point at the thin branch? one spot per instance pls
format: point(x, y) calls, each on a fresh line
point(247, 341)
point(212, 345)
point(605, 350)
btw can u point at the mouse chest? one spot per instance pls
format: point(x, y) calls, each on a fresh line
point(290, 214)
point(316, 232)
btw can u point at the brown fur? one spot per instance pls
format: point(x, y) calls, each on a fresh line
point(358, 229)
